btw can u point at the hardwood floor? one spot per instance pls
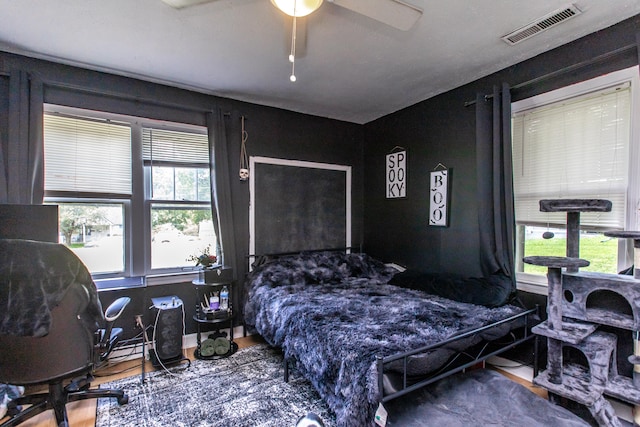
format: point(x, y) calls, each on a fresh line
point(83, 413)
point(537, 390)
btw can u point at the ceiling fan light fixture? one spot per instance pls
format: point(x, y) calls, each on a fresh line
point(297, 8)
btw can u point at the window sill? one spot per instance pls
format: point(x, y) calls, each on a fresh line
point(171, 278)
point(118, 283)
point(532, 283)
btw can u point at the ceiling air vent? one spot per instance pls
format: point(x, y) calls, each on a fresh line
point(544, 23)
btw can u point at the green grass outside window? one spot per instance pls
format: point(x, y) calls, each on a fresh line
point(601, 251)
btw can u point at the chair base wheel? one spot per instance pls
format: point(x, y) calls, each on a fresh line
point(13, 409)
point(123, 400)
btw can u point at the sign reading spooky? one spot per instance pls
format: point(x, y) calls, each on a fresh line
point(396, 175)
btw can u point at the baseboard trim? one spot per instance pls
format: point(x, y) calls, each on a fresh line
point(135, 351)
point(517, 369)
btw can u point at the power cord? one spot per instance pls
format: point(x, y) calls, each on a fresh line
point(155, 342)
point(113, 361)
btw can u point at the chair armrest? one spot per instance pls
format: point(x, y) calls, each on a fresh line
point(107, 338)
point(116, 308)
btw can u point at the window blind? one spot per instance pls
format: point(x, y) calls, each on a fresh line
point(574, 149)
point(83, 155)
point(162, 146)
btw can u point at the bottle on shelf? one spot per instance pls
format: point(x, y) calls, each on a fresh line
point(214, 301)
point(224, 298)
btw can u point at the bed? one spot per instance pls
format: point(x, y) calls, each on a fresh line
point(363, 340)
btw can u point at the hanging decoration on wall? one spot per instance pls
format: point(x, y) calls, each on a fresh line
point(439, 182)
point(396, 164)
point(244, 159)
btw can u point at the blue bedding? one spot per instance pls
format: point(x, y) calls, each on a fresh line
point(333, 313)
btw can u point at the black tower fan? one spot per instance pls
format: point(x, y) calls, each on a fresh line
point(168, 328)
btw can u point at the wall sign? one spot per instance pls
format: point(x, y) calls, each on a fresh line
point(396, 175)
point(439, 197)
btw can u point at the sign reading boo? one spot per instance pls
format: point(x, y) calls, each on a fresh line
point(396, 175)
point(438, 197)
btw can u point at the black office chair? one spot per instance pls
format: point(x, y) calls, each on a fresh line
point(73, 346)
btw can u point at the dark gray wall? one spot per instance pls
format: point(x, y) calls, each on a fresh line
point(442, 130)
point(4, 112)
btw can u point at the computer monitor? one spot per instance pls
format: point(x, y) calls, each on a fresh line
point(31, 222)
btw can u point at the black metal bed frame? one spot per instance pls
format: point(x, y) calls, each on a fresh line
point(260, 259)
point(527, 316)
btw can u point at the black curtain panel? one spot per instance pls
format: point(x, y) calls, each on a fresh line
point(221, 204)
point(22, 155)
point(638, 46)
point(496, 217)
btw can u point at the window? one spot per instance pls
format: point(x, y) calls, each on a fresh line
point(178, 166)
point(111, 198)
point(88, 164)
point(576, 143)
point(94, 231)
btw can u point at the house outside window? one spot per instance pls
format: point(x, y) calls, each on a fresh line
point(134, 194)
point(578, 142)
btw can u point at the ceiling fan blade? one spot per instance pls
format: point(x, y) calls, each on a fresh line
point(395, 13)
point(179, 4)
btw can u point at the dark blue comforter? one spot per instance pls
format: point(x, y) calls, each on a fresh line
point(333, 313)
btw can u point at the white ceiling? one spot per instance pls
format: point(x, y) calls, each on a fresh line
point(352, 68)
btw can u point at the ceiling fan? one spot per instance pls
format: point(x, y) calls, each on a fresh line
point(395, 13)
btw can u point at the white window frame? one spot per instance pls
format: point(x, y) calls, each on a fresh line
point(538, 284)
point(137, 207)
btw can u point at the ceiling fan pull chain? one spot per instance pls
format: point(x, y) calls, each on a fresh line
point(292, 55)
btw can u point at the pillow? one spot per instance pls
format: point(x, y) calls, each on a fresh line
point(493, 291)
point(364, 266)
point(320, 268)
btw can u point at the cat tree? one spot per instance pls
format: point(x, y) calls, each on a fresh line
point(574, 317)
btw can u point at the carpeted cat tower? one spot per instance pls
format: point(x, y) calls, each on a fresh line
point(575, 313)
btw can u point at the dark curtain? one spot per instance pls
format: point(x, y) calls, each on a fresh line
point(221, 203)
point(496, 218)
point(21, 157)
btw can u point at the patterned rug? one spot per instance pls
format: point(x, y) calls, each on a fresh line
point(245, 389)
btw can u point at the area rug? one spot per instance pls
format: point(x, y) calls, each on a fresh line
point(245, 389)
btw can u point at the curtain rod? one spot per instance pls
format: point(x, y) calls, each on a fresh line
point(348, 248)
point(119, 95)
point(125, 96)
point(570, 68)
